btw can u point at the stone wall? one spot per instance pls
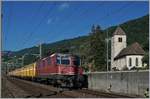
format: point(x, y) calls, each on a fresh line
point(122, 82)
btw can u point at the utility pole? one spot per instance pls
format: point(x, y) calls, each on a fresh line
point(23, 57)
point(107, 41)
point(40, 50)
point(107, 56)
point(1, 34)
point(6, 68)
point(23, 60)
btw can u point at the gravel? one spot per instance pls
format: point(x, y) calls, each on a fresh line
point(18, 88)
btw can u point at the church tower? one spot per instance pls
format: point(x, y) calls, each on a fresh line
point(118, 42)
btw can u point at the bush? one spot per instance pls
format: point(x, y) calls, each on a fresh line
point(115, 69)
point(125, 68)
point(138, 68)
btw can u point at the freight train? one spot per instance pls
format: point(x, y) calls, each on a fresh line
point(57, 69)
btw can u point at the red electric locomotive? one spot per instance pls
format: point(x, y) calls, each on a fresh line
point(61, 70)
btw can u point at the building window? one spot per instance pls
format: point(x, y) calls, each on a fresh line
point(130, 62)
point(119, 39)
point(136, 61)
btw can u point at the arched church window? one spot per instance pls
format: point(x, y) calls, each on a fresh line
point(130, 62)
point(119, 39)
point(136, 61)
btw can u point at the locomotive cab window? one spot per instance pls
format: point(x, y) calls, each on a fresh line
point(65, 61)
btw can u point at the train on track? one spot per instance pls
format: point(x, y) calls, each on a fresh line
point(58, 69)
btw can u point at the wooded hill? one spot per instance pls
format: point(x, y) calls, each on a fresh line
point(137, 30)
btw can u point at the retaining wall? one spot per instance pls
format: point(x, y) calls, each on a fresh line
point(123, 82)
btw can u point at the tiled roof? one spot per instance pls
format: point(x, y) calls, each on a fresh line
point(134, 49)
point(119, 31)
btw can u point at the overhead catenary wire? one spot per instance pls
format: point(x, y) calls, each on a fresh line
point(82, 13)
point(103, 17)
point(10, 15)
point(40, 23)
point(37, 26)
point(108, 15)
point(70, 16)
point(30, 36)
point(32, 18)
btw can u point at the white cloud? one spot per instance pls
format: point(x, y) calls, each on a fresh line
point(49, 21)
point(64, 6)
point(52, 20)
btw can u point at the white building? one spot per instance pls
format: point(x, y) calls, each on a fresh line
point(123, 56)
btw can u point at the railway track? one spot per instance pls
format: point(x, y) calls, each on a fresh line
point(4, 91)
point(103, 94)
point(37, 90)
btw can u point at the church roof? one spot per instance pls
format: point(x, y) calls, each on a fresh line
point(119, 31)
point(134, 49)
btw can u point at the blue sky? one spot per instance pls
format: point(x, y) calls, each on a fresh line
point(26, 24)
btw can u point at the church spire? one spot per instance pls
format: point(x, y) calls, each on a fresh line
point(119, 31)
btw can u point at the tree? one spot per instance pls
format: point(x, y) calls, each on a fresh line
point(97, 49)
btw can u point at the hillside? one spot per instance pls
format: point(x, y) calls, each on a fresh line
point(137, 30)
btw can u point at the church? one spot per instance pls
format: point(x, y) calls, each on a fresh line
point(123, 56)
